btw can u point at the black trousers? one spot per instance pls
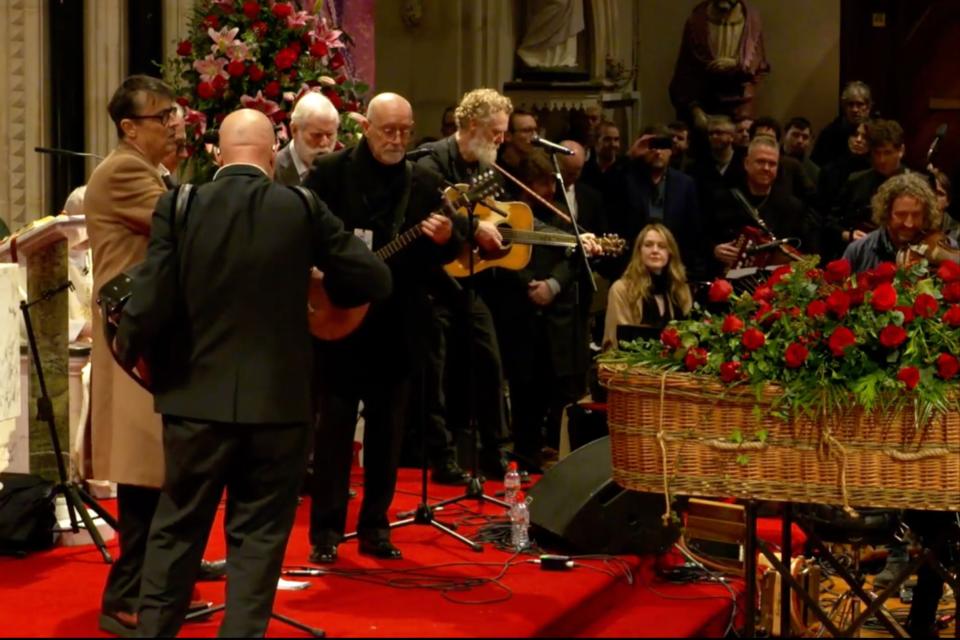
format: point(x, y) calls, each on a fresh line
point(937, 531)
point(135, 508)
point(384, 412)
point(261, 467)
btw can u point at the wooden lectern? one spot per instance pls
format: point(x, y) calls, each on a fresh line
point(43, 246)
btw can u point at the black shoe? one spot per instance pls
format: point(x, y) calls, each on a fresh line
point(492, 466)
point(449, 472)
point(210, 571)
point(323, 554)
point(380, 549)
point(119, 623)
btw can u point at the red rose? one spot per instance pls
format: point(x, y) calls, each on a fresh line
point(907, 314)
point(260, 28)
point(951, 292)
point(816, 309)
point(285, 58)
point(856, 295)
point(763, 292)
point(730, 371)
point(814, 274)
point(926, 306)
point(840, 340)
point(762, 311)
point(778, 274)
point(255, 72)
point(282, 10)
point(837, 271)
point(352, 106)
point(909, 376)
point(183, 101)
point(947, 365)
point(236, 68)
point(753, 339)
point(279, 116)
point(670, 337)
point(952, 316)
point(206, 90)
point(336, 61)
point(212, 21)
point(884, 297)
point(319, 49)
point(251, 9)
point(334, 98)
point(892, 336)
point(883, 272)
point(949, 271)
point(695, 358)
point(838, 303)
point(272, 90)
point(795, 355)
point(185, 48)
point(720, 290)
point(863, 279)
point(732, 324)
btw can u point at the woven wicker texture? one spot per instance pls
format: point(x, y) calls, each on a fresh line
point(860, 459)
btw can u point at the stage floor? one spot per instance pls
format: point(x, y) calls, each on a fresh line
point(440, 588)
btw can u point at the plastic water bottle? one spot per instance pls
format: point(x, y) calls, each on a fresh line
point(511, 484)
point(519, 523)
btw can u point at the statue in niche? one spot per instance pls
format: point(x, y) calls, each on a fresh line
point(550, 37)
point(721, 61)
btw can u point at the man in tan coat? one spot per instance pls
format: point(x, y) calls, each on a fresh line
point(126, 433)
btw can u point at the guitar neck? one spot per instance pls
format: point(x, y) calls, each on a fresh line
point(399, 243)
point(544, 238)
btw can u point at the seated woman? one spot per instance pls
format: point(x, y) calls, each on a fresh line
point(653, 289)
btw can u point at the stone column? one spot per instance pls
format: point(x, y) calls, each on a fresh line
point(24, 85)
point(175, 16)
point(105, 59)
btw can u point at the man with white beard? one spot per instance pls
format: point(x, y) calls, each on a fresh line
point(313, 127)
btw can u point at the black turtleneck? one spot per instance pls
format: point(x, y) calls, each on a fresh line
point(651, 310)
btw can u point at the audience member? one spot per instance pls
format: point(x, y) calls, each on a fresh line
point(856, 104)
point(313, 127)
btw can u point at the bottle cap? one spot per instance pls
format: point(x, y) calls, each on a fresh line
point(512, 465)
point(521, 496)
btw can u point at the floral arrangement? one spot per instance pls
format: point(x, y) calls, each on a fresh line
point(262, 55)
point(887, 339)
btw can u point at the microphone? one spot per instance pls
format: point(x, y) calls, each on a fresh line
point(416, 154)
point(760, 248)
point(551, 147)
point(753, 213)
point(67, 152)
point(937, 139)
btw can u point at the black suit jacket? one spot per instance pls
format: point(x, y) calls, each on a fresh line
point(221, 304)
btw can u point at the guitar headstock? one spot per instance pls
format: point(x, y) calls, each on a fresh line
point(483, 185)
point(612, 244)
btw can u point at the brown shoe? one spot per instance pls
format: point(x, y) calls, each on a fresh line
point(119, 623)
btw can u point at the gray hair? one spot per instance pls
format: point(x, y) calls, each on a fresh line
point(763, 141)
point(856, 89)
point(721, 121)
point(313, 103)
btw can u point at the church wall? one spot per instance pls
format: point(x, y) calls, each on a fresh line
point(802, 39)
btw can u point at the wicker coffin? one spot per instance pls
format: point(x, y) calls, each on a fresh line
point(685, 423)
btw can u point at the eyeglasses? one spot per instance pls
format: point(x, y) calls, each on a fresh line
point(163, 117)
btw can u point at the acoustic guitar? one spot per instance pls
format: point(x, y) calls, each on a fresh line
point(329, 322)
point(514, 221)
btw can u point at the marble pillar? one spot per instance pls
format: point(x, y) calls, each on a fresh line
point(105, 59)
point(46, 270)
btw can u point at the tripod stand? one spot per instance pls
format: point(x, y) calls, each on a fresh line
point(204, 613)
point(73, 494)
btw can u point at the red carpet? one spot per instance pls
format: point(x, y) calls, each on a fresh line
point(440, 588)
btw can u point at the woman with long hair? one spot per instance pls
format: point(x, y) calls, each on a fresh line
point(653, 290)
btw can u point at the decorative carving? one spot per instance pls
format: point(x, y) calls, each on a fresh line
point(412, 13)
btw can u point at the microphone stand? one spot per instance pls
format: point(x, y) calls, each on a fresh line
point(573, 221)
point(73, 494)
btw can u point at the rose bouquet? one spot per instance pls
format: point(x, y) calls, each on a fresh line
point(262, 55)
point(884, 340)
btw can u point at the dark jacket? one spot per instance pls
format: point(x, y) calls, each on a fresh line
point(831, 144)
point(386, 200)
point(681, 214)
point(223, 301)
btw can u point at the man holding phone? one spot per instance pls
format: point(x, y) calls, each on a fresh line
point(652, 191)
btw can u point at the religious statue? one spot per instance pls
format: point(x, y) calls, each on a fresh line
point(720, 63)
point(550, 37)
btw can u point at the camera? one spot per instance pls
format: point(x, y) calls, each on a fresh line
point(661, 142)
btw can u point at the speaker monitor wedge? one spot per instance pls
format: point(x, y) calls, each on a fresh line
point(577, 504)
